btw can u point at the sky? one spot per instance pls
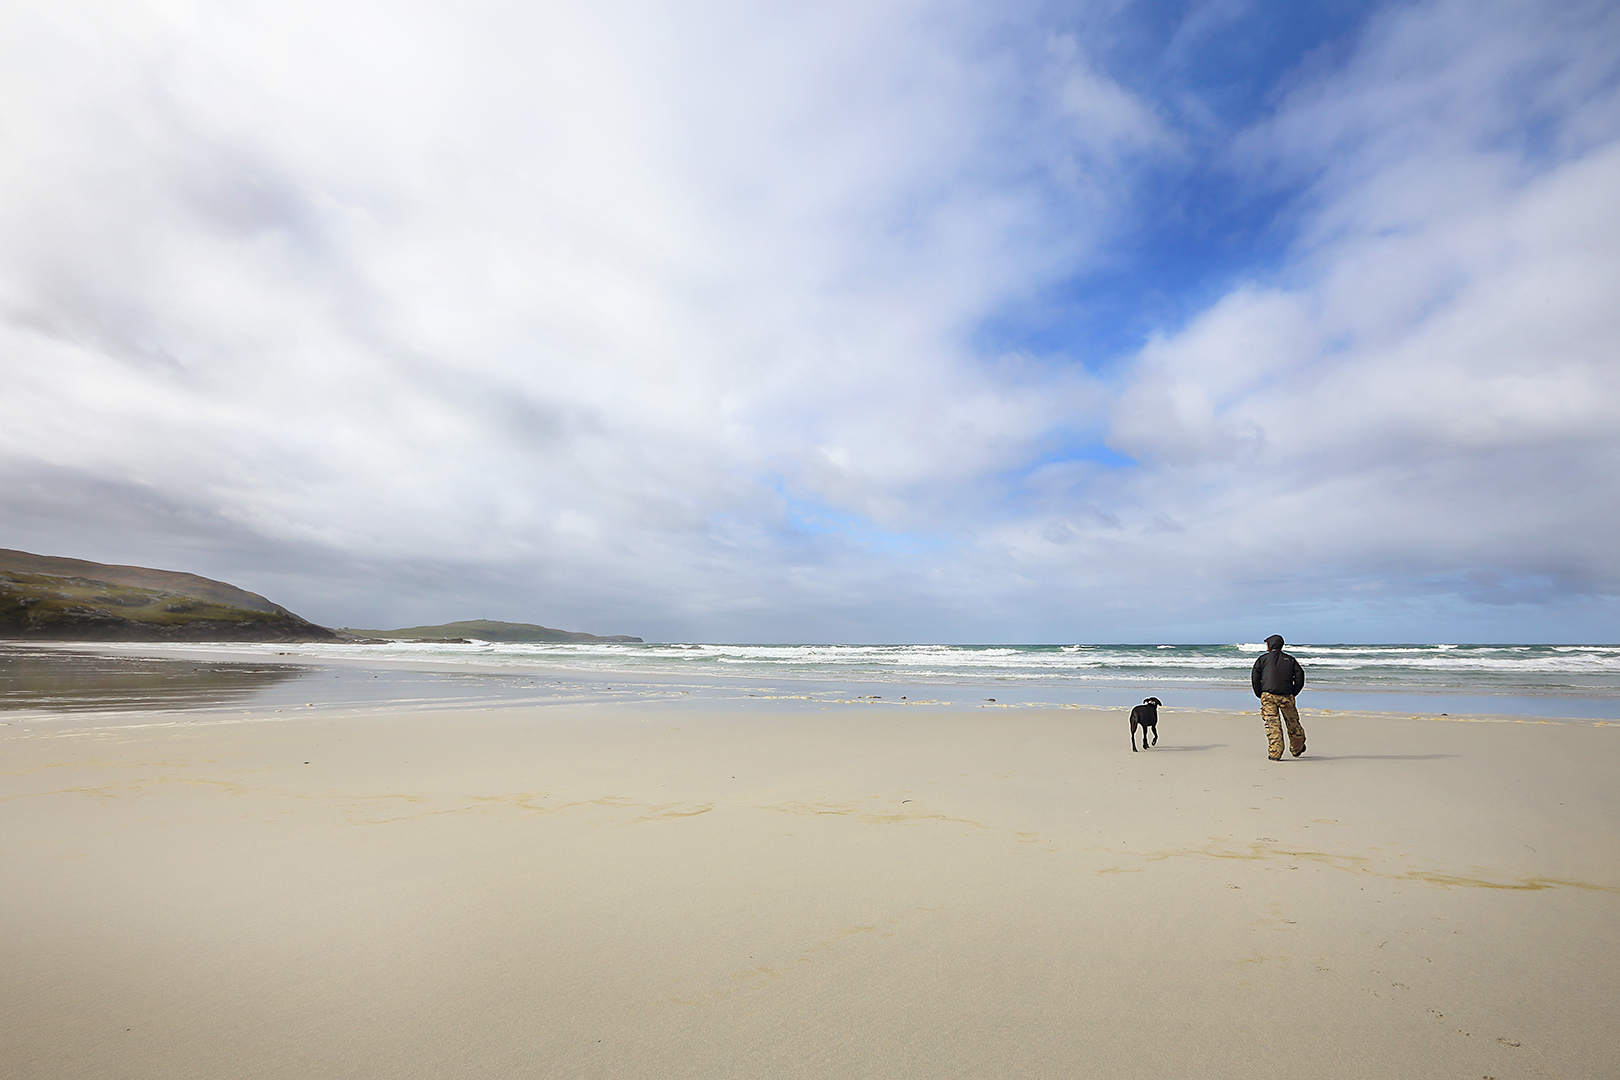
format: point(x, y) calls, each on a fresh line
point(876, 321)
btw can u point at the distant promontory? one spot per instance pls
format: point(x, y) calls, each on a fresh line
point(488, 630)
point(49, 598)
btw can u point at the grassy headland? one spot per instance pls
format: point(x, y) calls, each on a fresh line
point(43, 597)
point(50, 598)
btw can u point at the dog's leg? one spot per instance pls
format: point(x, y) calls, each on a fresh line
point(1133, 735)
point(1155, 734)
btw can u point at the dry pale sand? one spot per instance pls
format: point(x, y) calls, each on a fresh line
point(647, 891)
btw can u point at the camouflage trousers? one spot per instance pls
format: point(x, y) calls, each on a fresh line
point(1270, 706)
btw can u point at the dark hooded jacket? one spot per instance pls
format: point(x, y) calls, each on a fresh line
point(1276, 672)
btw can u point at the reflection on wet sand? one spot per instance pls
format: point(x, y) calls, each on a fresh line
point(49, 678)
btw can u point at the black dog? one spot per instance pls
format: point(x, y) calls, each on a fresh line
point(1145, 716)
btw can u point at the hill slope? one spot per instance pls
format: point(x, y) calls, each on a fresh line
point(44, 597)
point(490, 630)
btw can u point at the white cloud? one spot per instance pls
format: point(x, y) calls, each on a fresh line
point(530, 285)
point(1420, 407)
point(660, 318)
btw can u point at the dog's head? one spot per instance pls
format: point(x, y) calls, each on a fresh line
point(1153, 701)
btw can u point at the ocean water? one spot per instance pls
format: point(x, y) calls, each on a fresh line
point(1507, 669)
point(1577, 681)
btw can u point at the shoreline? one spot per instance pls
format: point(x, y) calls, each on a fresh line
point(427, 682)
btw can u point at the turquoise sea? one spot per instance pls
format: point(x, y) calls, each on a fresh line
point(1576, 681)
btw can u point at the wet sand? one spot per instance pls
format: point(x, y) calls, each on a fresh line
point(649, 891)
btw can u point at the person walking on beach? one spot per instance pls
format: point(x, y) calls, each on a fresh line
point(1278, 679)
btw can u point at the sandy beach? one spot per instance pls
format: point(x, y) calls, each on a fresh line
point(645, 890)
